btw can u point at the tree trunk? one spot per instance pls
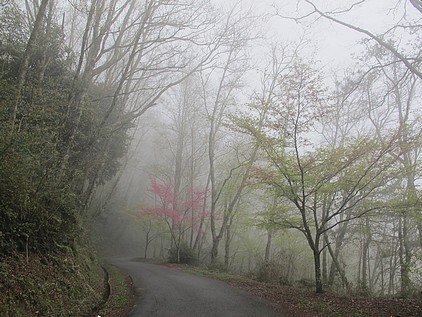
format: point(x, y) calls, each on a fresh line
point(79, 90)
point(336, 265)
point(41, 68)
point(364, 279)
point(197, 244)
point(227, 248)
point(318, 276)
point(382, 278)
point(324, 267)
point(227, 244)
point(191, 181)
point(214, 251)
point(161, 248)
point(404, 257)
point(147, 241)
point(25, 61)
point(419, 223)
point(335, 255)
point(268, 246)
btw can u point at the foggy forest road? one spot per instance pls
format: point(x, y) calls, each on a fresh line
point(163, 292)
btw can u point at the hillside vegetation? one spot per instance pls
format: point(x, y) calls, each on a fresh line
point(51, 158)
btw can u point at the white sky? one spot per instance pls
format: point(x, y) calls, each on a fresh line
point(334, 43)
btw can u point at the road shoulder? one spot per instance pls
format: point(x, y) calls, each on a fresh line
point(122, 293)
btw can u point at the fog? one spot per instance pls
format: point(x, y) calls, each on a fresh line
point(279, 140)
point(201, 138)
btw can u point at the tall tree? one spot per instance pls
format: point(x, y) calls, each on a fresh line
point(321, 184)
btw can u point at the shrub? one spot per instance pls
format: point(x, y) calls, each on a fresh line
point(184, 254)
point(268, 271)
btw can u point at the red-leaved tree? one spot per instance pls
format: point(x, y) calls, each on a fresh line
point(181, 212)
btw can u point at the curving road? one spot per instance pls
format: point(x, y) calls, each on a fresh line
point(166, 292)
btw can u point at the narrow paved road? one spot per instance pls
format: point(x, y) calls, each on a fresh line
point(168, 292)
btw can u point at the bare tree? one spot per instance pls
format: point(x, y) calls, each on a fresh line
point(411, 62)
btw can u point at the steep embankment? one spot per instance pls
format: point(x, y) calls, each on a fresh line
point(60, 284)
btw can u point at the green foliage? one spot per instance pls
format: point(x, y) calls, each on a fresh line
point(42, 201)
point(13, 33)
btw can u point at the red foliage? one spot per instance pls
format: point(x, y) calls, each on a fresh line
point(175, 208)
point(164, 191)
point(158, 212)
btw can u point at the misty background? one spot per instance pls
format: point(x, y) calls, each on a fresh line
point(274, 139)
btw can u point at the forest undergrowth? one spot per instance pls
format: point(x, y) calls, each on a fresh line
point(304, 302)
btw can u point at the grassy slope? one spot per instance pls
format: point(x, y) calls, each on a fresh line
point(54, 285)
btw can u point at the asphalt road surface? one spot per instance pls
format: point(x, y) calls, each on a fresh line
point(168, 292)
